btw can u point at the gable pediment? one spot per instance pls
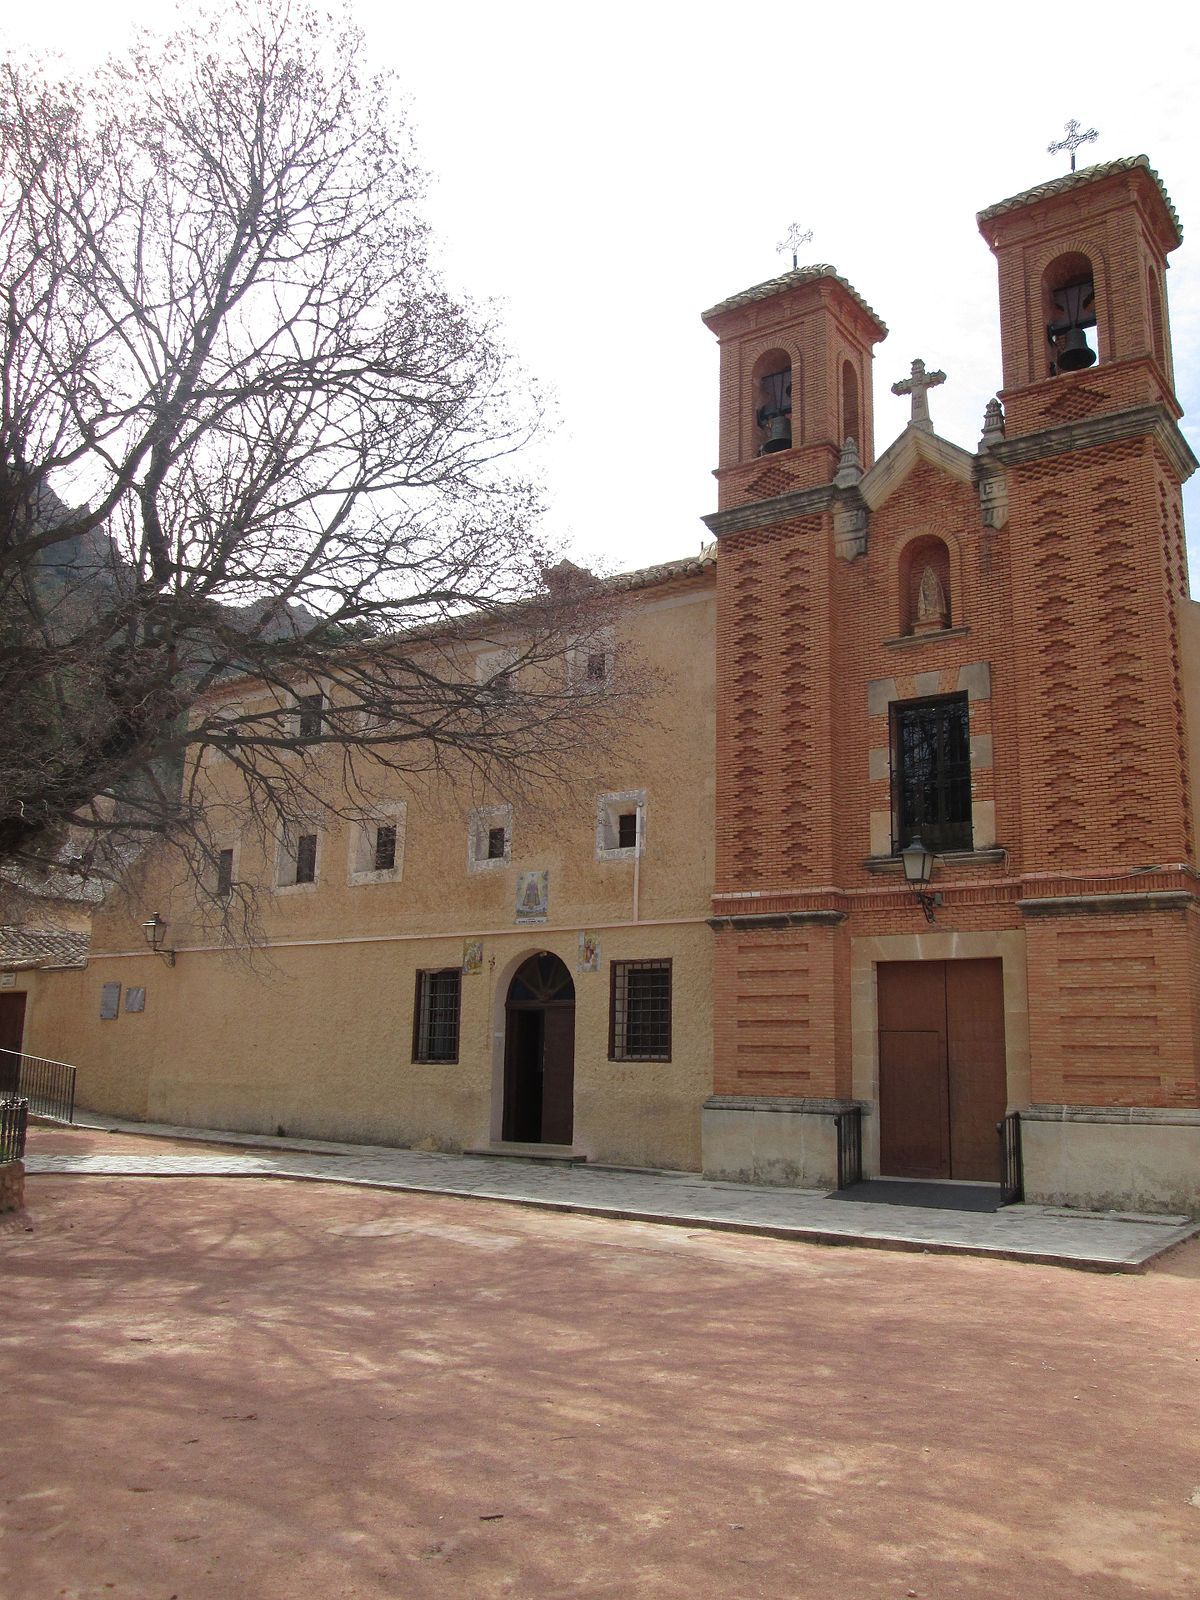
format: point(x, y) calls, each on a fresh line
point(915, 447)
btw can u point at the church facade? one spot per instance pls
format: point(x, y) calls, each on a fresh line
point(915, 858)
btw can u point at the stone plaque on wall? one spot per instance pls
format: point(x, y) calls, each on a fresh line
point(135, 999)
point(110, 1001)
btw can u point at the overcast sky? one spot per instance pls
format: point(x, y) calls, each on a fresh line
point(608, 172)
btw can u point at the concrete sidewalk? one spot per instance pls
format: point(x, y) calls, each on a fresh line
point(1090, 1241)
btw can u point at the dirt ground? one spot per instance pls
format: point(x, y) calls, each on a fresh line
point(262, 1389)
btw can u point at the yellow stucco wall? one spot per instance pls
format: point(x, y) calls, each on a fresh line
point(315, 1034)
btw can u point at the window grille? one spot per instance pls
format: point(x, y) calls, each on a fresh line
point(640, 1011)
point(306, 858)
point(385, 847)
point(435, 1016)
point(931, 773)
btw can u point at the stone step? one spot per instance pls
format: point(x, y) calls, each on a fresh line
point(528, 1152)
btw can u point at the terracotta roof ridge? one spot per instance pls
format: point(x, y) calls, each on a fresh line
point(793, 280)
point(1078, 180)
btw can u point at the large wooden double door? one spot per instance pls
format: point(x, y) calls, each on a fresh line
point(942, 1081)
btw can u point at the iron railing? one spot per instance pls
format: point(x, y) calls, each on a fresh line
point(14, 1118)
point(849, 1146)
point(49, 1086)
point(1012, 1172)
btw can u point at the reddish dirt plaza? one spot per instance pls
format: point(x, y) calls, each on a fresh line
point(253, 1388)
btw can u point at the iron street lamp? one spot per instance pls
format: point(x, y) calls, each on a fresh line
point(918, 869)
point(155, 930)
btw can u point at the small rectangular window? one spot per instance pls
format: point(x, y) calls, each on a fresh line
point(310, 720)
point(495, 844)
point(639, 1026)
point(435, 1015)
point(385, 847)
point(306, 858)
point(597, 666)
point(224, 874)
point(627, 830)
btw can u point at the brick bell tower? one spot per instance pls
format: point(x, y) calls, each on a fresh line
point(1105, 659)
point(796, 431)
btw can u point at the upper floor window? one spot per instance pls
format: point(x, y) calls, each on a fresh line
point(309, 720)
point(931, 773)
point(377, 845)
point(224, 874)
point(489, 838)
point(620, 825)
point(296, 863)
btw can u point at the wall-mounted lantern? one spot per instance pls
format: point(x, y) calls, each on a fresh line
point(155, 930)
point(918, 870)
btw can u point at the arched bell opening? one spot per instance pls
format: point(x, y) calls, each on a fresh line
point(776, 425)
point(1158, 336)
point(539, 1053)
point(851, 418)
point(1070, 312)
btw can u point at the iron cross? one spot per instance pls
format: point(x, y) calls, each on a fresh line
point(795, 238)
point(1073, 140)
point(918, 384)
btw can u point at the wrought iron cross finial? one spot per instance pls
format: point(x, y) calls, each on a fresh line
point(1073, 140)
point(918, 384)
point(792, 242)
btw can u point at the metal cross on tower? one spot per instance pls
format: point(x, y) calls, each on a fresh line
point(793, 241)
point(1073, 140)
point(918, 384)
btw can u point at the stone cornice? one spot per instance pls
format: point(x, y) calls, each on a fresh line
point(780, 919)
point(1103, 905)
point(780, 508)
point(1150, 421)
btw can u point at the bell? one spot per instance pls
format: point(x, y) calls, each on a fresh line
point(1076, 352)
point(779, 436)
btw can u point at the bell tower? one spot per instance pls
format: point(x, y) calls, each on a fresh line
point(796, 355)
point(1082, 264)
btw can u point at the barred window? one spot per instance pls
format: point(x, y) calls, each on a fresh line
point(435, 1015)
point(931, 773)
point(639, 1026)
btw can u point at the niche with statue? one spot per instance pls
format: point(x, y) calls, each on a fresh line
point(925, 599)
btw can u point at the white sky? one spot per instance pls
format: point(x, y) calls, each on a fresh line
point(607, 172)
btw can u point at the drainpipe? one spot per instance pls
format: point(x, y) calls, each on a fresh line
point(637, 867)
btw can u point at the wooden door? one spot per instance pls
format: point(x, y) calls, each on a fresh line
point(558, 1074)
point(942, 1081)
point(12, 1034)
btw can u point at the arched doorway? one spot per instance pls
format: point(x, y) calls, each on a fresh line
point(539, 1053)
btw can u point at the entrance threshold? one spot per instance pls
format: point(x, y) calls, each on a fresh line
point(931, 1194)
point(521, 1151)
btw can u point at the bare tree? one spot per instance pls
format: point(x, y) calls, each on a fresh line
point(245, 432)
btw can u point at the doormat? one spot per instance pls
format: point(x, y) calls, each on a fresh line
point(930, 1196)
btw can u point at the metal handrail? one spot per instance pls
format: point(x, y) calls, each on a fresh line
point(14, 1119)
point(49, 1086)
